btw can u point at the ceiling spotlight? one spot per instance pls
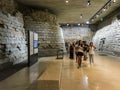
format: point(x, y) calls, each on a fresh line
point(104, 9)
point(67, 24)
point(88, 3)
point(87, 22)
point(67, 1)
point(78, 24)
point(101, 19)
point(114, 1)
point(92, 20)
point(97, 15)
point(100, 11)
point(81, 16)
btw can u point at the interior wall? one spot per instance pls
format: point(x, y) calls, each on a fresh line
point(107, 39)
point(13, 47)
point(14, 21)
point(75, 33)
point(50, 36)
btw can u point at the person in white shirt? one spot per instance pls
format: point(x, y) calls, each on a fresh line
point(80, 53)
point(91, 52)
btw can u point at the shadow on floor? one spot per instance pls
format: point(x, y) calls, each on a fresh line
point(5, 73)
point(102, 54)
point(33, 86)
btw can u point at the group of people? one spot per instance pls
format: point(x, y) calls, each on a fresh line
point(80, 50)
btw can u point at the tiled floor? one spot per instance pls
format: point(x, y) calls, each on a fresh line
point(104, 74)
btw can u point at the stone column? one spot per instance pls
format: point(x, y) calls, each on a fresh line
point(50, 35)
point(12, 34)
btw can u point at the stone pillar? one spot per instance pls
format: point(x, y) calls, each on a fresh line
point(12, 34)
point(50, 35)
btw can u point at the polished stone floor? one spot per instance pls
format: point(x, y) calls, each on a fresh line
point(104, 74)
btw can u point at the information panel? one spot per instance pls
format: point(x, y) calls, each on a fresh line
point(32, 47)
point(35, 43)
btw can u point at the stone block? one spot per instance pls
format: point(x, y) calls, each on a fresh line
point(50, 79)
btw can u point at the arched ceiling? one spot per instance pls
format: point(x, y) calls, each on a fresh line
point(70, 12)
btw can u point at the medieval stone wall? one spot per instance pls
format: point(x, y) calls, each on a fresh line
point(107, 39)
point(12, 34)
point(72, 34)
point(50, 35)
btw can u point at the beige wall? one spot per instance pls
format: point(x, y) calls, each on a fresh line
point(72, 34)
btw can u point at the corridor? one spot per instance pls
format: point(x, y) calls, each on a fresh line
point(104, 74)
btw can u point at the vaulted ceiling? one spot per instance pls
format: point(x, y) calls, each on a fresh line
point(69, 11)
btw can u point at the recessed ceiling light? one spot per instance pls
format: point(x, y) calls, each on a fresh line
point(114, 1)
point(67, 24)
point(87, 22)
point(78, 24)
point(67, 1)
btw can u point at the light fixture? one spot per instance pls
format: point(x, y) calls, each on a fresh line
point(88, 3)
point(67, 24)
point(66, 1)
point(114, 1)
point(81, 16)
point(92, 20)
point(78, 24)
point(87, 22)
point(97, 15)
point(104, 9)
point(100, 11)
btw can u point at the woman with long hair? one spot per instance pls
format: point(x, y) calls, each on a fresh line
point(80, 53)
point(91, 52)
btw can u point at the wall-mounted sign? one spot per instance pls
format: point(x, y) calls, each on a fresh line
point(32, 47)
point(35, 45)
